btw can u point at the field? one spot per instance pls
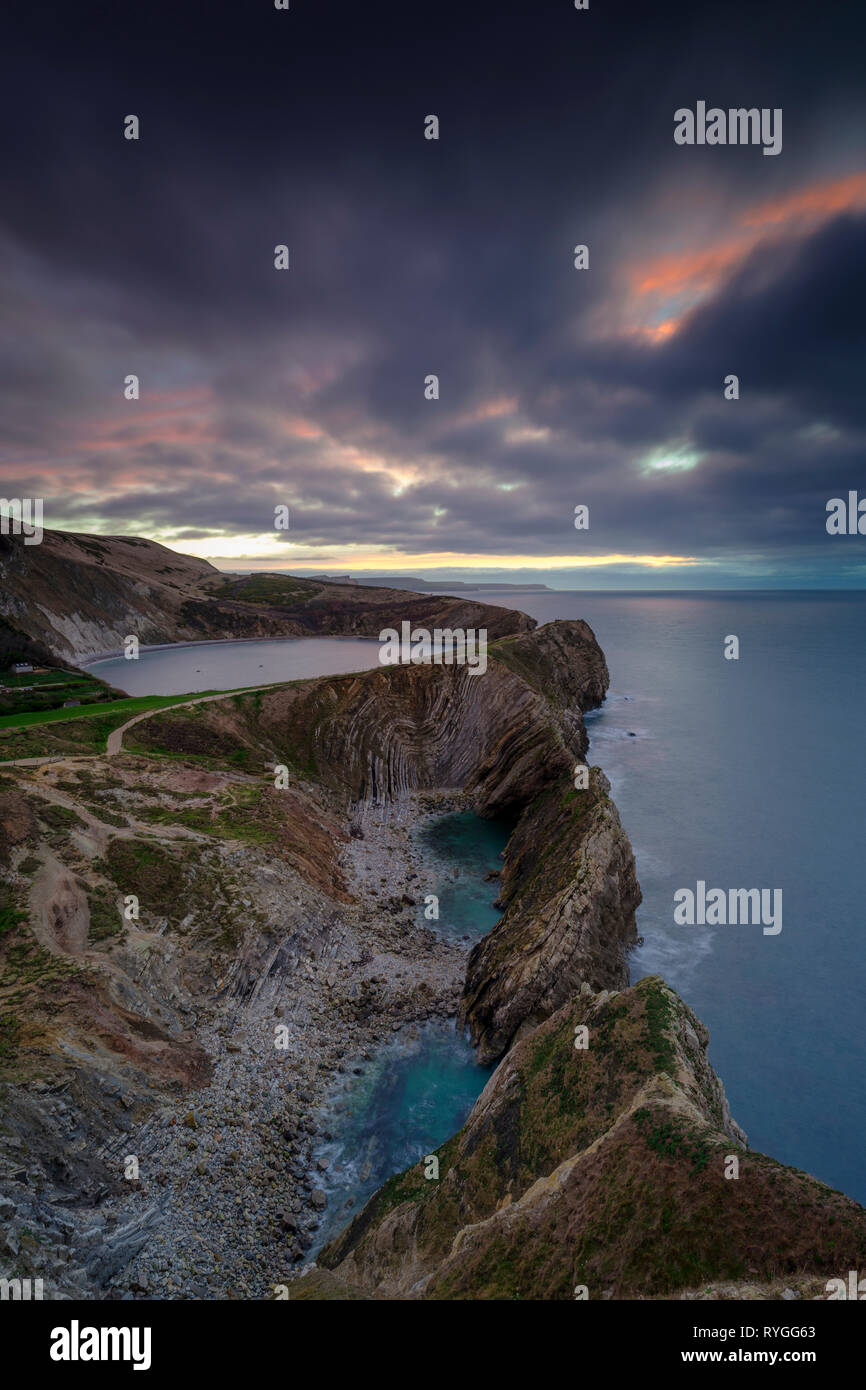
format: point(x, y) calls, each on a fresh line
point(44, 733)
point(44, 689)
point(128, 706)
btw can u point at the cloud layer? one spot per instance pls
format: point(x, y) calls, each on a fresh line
point(454, 257)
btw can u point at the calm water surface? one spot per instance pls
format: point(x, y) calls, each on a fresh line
point(464, 850)
point(227, 665)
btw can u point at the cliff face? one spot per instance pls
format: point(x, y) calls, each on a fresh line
point(250, 904)
point(600, 1168)
point(82, 595)
point(502, 737)
point(510, 738)
point(570, 894)
point(566, 666)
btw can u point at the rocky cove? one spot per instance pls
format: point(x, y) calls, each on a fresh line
point(277, 1117)
point(228, 1198)
point(295, 914)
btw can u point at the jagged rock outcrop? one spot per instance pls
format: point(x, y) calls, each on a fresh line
point(600, 1167)
point(80, 596)
point(570, 893)
point(567, 667)
point(510, 738)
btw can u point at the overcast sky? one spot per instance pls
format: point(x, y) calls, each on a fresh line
point(408, 257)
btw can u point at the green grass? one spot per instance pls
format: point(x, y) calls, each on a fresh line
point(674, 1139)
point(10, 1035)
point(42, 691)
point(156, 875)
point(106, 814)
point(10, 916)
point(105, 917)
point(241, 820)
point(66, 738)
point(268, 589)
point(54, 816)
point(660, 1022)
point(135, 704)
point(84, 730)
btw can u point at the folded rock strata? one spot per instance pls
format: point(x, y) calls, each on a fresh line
point(570, 893)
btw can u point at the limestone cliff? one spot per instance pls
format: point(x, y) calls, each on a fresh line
point(249, 905)
point(510, 738)
point(604, 1167)
point(570, 893)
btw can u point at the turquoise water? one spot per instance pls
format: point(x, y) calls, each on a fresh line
point(175, 670)
point(463, 848)
point(408, 1100)
point(415, 1092)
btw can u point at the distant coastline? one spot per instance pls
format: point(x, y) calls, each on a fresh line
point(411, 583)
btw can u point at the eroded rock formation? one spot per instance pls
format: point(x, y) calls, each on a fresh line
point(600, 1167)
point(570, 893)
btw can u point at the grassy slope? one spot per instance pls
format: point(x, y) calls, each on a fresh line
point(83, 730)
point(133, 704)
point(604, 1167)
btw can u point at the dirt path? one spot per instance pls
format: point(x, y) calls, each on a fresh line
point(114, 742)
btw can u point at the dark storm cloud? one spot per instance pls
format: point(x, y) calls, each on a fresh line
point(410, 257)
point(798, 330)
